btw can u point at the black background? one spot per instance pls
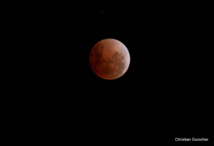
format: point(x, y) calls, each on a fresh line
point(164, 94)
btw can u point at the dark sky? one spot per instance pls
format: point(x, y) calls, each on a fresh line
point(165, 90)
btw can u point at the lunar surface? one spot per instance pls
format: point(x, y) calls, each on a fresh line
point(109, 59)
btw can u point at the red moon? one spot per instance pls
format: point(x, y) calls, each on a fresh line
point(109, 59)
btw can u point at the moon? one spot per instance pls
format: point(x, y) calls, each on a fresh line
point(109, 59)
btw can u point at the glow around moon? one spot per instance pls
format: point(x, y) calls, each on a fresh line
point(109, 59)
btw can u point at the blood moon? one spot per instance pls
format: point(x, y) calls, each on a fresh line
point(109, 59)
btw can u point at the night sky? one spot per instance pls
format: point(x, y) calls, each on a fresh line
point(164, 94)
